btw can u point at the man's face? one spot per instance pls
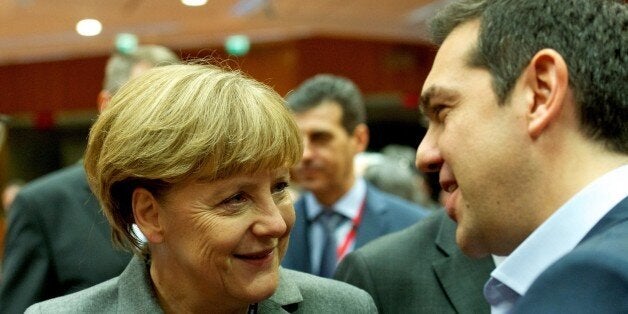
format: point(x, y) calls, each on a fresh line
point(327, 165)
point(478, 147)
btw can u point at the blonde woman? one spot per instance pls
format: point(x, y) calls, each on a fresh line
point(198, 158)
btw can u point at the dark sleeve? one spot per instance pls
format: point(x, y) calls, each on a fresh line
point(25, 268)
point(354, 270)
point(580, 283)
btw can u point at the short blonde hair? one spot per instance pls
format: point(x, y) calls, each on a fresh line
point(178, 122)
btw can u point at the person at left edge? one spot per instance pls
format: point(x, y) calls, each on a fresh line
point(58, 241)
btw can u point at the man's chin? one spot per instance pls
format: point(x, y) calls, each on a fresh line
point(469, 246)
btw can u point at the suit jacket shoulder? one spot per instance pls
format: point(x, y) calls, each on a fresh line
point(132, 292)
point(386, 213)
point(592, 278)
point(419, 270)
point(380, 201)
point(57, 242)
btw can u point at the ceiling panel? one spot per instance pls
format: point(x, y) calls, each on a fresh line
point(32, 30)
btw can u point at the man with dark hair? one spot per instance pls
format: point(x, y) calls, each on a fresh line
point(58, 241)
point(338, 211)
point(527, 110)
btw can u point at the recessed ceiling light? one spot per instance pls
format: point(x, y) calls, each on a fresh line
point(194, 3)
point(88, 27)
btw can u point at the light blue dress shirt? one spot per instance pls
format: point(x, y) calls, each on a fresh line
point(348, 205)
point(558, 235)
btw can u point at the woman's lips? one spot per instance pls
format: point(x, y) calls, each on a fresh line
point(259, 258)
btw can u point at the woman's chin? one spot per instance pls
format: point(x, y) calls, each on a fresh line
point(261, 288)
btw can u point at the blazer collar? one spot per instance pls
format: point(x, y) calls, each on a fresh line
point(286, 298)
point(135, 284)
point(135, 289)
point(371, 225)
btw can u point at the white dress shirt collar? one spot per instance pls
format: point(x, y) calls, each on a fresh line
point(558, 235)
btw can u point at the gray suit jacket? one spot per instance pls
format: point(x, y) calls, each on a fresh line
point(383, 214)
point(58, 242)
point(132, 292)
point(419, 270)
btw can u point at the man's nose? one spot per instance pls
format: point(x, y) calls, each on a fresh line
point(428, 156)
point(307, 148)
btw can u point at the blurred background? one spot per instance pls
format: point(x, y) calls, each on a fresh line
point(51, 70)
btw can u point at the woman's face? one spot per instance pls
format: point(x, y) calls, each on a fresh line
point(223, 240)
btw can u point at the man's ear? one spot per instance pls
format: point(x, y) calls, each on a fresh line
point(361, 136)
point(103, 99)
point(547, 77)
point(146, 212)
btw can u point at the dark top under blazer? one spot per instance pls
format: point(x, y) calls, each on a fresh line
point(57, 242)
point(383, 214)
point(592, 278)
point(419, 270)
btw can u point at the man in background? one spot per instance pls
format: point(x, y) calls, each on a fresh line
point(338, 212)
point(58, 241)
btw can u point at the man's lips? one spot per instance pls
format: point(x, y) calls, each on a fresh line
point(451, 187)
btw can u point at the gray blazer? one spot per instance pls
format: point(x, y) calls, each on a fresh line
point(131, 292)
point(419, 270)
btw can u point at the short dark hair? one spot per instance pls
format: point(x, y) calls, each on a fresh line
point(589, 34)
point(327, 87)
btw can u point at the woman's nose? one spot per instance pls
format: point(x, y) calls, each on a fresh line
point(271, 222)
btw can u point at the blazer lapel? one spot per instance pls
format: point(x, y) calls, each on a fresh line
point(370, 227)
point(286, 298)
point(135, 290)
point(462, 278)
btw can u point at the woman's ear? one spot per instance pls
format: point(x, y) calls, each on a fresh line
point(548, 78)
point(146, 212)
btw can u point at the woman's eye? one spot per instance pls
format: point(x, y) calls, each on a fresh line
point(280, 187)
point(235, 199)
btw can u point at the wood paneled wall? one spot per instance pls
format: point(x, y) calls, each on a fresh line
point(376, 66)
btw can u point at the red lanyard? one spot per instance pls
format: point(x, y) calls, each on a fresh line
point(341, 251)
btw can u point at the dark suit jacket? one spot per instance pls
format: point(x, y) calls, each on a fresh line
point(419, 270)
point(383, 213)
point(131, 292)
point(57, 242)
point(592, 278)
